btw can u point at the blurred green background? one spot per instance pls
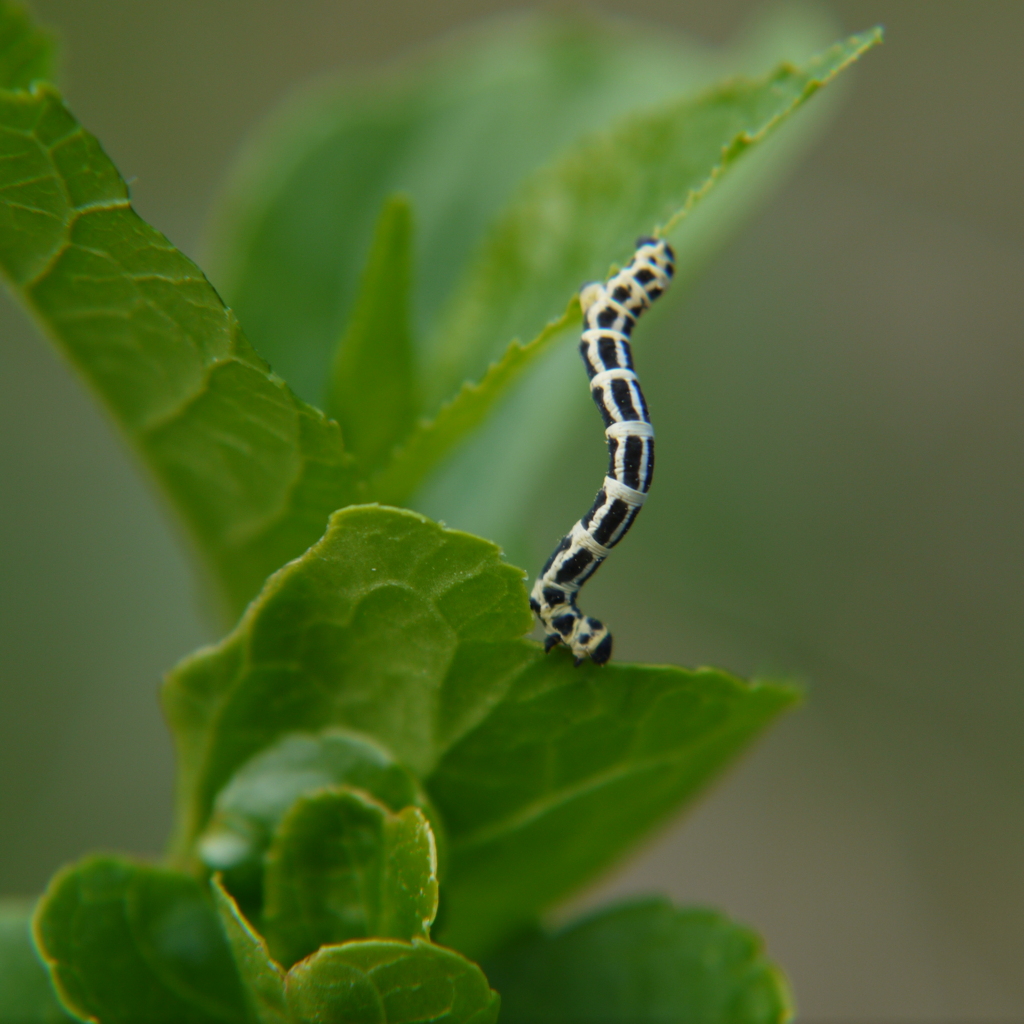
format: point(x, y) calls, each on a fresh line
point(840, 423)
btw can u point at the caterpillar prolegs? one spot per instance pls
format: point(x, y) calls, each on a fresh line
point(610, 311)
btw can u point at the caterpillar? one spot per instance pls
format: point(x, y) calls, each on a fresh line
point(610, 311)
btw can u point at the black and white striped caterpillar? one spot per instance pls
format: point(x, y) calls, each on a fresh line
point(609, 312)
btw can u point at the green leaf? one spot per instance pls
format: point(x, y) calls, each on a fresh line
point(569, 771)
point(26, 992)
point(249, 808)
point(127, 943)
point(406, 632)
point(262, 978)
point(432, 440)
point(644, 963)
point(455, 130)
point(490, 483)
point(390, 982)
point(341, 867)
point(252, 470)
point(373, 388)
point(389, 626)
point(26, 51)
point(361, 982)
point(570, 220)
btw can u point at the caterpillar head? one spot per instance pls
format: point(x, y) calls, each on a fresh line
point(658, 251)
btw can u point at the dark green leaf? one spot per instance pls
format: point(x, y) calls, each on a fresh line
point(363, 982)
point(262, 978)
point(404, 631)
point(253, 471)
point(249, 807)
point(128, 943)
point(569, 771)
point(390, 626)
point(390, 982)
point(26, 992)
point(373, 389)
point(26, 51)
point(341, 867)
point(456, 130)
point(645, 963)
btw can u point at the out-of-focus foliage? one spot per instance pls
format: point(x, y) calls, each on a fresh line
point(647, 961)
point(26, 50)
point(128, 943)
point(26, 991)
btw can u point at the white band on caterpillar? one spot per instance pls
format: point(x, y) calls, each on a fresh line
point(629, 428)
point(616, 490)
point(600, 379)
point(582, 537)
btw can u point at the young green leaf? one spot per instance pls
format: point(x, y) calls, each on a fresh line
point(569, 771)
point(26, 992)
point(248, 809)
point(342, 866)
point(373, 388)
point(389, 626)
point(377, 982)
point(262, 978)
point(390, 982)
point(570, 220)
point(127, 942)
point(26, 51)
point(643, 963)
point(455, 130)
point(432, 440)
point(252, 470)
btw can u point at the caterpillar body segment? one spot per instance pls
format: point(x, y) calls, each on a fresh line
point(610, 311)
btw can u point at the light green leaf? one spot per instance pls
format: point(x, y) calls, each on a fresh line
point(252, 470)
point(262, 978)
point(26, 51)
point(127, 943)
point(373, 389)
point(390, 982)
point(249, 808)
point(455, 130)
point(570, 220)
point(644, 963)
point(569, 771)
point(567, 223)
point(26, 992)
point(432, 440)
point(342, 866)
point(389, 626)
point(492, 481)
